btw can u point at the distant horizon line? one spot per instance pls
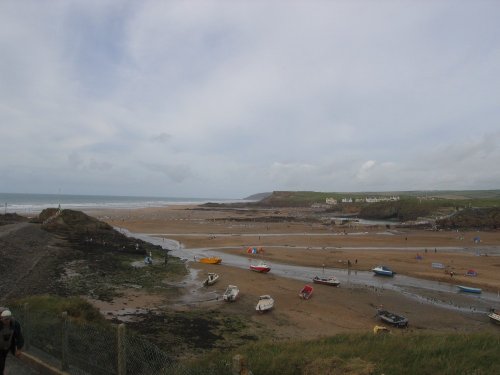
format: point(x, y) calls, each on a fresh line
point(260, 193)
point(118, 196)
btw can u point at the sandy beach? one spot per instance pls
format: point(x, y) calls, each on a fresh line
point(303, 242)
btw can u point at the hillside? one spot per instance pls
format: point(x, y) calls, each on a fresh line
point(472, 218)
point(257, 197)
point(36, 255)
point(410, 206)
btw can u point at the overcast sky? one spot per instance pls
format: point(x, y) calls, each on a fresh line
point(225, 99)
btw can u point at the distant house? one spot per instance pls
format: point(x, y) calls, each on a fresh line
point(368, 199)
point(331, 201)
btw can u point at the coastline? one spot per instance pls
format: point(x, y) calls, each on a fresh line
point(32, 204)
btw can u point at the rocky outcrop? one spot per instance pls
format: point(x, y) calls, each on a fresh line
point(472, 218)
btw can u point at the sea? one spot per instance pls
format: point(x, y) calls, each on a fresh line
point(26, 204)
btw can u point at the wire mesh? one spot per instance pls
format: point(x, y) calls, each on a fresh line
point(83, 348)
point(145, 358)
point(91, 348)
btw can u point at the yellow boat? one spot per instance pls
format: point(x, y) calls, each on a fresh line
point(211, 260)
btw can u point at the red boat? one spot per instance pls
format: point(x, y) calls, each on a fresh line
point(306, 292)
point(261, 267)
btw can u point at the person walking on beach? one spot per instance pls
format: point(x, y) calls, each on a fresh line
point(11, 338)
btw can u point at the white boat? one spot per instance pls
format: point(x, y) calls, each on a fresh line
point(383, 271)
point(231, 293)
point(328, 280)
point(211, 279)
point(266, 302)
point(494, 316)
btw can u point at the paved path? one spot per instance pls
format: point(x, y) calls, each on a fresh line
point(14, 366)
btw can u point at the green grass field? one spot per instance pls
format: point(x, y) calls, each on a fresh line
point(370, 354)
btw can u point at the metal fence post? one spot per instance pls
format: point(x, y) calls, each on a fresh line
point(64, 341)
point(121, 350)
point(27, 328)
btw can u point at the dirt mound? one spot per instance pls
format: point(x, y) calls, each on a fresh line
point(12, 219)
point(35, 255)
point(86, 233)
point(30, 258)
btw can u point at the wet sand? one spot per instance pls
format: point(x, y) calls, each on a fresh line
point(300, 242)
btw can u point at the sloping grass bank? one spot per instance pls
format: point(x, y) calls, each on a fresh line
point(360, 354)
point(369, 354)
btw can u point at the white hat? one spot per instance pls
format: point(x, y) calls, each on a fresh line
point(6, 314)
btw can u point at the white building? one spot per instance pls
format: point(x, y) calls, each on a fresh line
point(331, 201)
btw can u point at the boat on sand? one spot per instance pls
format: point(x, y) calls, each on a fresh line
point(392, 319)
point(383, 271)
point(469, 289)
point(211, 279)
point(494, 316)
point(306, 292)
point(261, 267)
point(380, 329)
point(231, 293)
point(210, 260)
point(266, 303)
point(328, 280)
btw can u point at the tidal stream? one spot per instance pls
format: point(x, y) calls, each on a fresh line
point(437, 293)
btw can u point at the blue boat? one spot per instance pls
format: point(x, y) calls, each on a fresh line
point(468, 289)
point(383, 271)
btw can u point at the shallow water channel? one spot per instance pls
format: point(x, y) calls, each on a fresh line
point(426, 291)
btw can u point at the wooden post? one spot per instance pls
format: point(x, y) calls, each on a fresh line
point(26, 328)
point(120, 350)
point(64, 341)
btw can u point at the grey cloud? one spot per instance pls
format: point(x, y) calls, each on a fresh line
point(100, 165)
point(336, 96)
point(177, 173)
point(161, 137)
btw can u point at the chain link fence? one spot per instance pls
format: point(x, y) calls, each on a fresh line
point(82, 348)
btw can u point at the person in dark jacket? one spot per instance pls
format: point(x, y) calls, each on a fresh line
point(11, 337)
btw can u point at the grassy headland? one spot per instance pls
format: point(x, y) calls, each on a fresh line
point(478, 209)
